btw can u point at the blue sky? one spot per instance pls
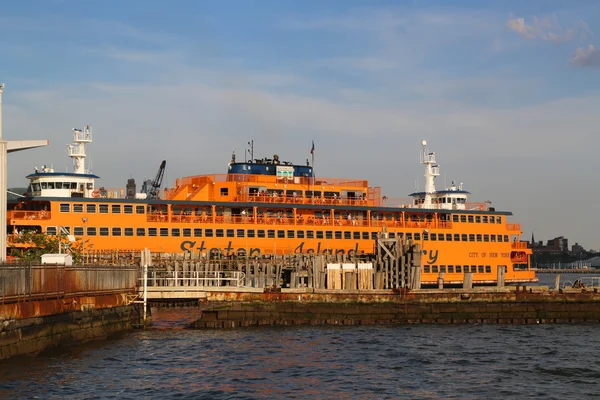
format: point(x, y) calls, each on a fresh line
point(506, 92)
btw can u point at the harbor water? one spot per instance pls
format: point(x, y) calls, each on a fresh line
point(374, 362)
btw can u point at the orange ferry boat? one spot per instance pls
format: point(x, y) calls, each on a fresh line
point(267, 206)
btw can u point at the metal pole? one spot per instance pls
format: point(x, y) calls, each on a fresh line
point(84, 219)
point(313, 177)
point(1, 91)
point(3, 186)
point(145, 290)
point(5, 147)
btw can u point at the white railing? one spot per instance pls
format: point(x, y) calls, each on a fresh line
point(83, 136)
point(427, 158)
point(196, 279)
point(587, 282)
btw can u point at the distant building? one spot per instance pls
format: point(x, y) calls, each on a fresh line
point(560, 244)
point(577, 249)
point(557, 245)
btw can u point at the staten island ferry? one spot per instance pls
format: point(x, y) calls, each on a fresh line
point(269, 206)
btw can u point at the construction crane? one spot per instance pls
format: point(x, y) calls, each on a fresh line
point(152, 188)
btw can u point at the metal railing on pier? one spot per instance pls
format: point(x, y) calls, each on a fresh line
point(586, 282)
point(195, 279)
point(24, 282)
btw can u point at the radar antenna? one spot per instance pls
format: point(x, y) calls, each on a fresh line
point(250, 150)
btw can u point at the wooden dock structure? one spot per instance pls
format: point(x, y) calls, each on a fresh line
point(396, 265)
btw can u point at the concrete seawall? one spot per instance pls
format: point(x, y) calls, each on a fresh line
point(222, 310)
point(49, 305)
point(31, 327)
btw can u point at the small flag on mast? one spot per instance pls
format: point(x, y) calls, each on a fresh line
point(312, 149)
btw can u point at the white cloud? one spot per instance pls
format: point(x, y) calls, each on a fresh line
point(356, 20)
point(367, 63)
point(547, 29)
point(589, 57)
point(196, 126)
point(518, 25)
point(193, 113)
point(585, 30)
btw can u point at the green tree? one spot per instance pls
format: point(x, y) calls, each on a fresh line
point(38, 244)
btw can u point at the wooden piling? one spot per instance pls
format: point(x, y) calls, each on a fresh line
point(500, 278)
point(468, 280)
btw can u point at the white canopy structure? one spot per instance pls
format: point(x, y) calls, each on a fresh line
point(5, 148)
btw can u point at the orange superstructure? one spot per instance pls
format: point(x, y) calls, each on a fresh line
point(267, 207)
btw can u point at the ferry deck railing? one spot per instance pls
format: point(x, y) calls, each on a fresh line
point(28, 215)
point(299, 220)
point(519, 245)
point(345, 219)
point(308, 182)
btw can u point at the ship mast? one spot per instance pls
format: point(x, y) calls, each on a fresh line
point(431, 171)
point(77, 149)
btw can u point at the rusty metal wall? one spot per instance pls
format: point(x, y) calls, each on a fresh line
point(36, 281)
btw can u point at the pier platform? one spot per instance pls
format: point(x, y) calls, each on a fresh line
point(510, 305)
point(44, 306)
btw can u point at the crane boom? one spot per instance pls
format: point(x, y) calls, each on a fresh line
point(157, 182)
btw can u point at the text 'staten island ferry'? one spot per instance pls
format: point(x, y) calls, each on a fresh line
point(268, 206)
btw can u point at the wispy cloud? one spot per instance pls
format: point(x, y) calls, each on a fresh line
point(547, 29)
point(589, 57)
point(366, 63)
point(361, 81)
point(363, 20)
point(136, 55)
point(439, 24)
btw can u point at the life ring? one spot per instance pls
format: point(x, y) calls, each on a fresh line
point(480, 208)
point(96, 193)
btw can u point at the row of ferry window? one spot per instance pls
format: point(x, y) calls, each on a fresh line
point(459, 268)
point(102, 208)
point(60, 185)
point(140, 209)
point(478, 219)
point(270, 233)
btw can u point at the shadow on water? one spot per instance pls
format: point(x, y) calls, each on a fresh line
point(163, 319)
point(174, 318)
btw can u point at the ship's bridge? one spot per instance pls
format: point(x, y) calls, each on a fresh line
point(79, 183)
point(47, 183)
point(452, 198)
point(275, 167)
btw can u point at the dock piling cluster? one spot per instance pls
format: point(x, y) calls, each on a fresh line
point(396, 264)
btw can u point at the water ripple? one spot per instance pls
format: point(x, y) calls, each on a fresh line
point(387, 362)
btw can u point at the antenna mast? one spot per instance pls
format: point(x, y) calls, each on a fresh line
point(431, 171)
point(77, 149)
point(251, 150)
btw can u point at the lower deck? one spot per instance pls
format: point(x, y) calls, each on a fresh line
point(451, 243)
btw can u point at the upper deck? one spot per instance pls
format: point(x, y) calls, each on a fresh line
point(273, 166)
point(273, 188)
point(267, 180)
point(259, 188)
